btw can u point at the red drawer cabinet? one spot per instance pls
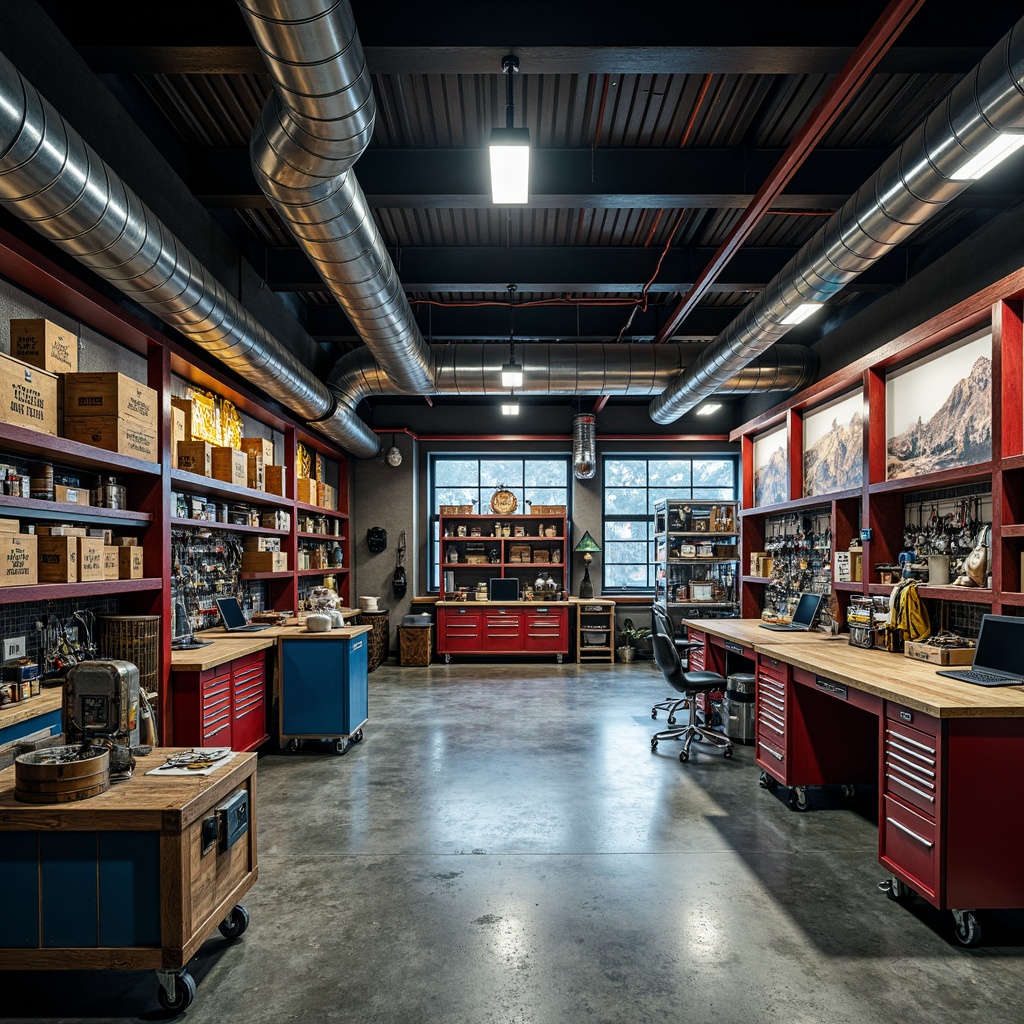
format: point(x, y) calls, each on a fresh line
point(225, 706)
point(698, 655)
point(503, 629)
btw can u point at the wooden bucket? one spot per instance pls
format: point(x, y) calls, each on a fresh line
point(55, 775)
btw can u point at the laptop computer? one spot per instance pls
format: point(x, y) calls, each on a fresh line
point(503, 588)
point(998, 655)
point(806, 609)
point(233, 616)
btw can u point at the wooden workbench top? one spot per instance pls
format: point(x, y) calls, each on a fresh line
point(143, 803)
point(227, 646)
point(889, 676)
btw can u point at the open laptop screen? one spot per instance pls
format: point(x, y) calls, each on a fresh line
point(1000, 644)
point(805, 609)
point(231, 612)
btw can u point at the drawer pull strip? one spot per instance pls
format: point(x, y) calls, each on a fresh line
point(913, 764)
point(913, 789)
point(910, 832)
point(907, 739)
point(774, 753)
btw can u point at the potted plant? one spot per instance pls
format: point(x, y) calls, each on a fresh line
point(630, 634)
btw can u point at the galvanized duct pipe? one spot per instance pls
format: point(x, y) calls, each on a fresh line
point(566, 369)
point(53, 180)
point(584, 446)
point(311, 131)
point(912, 185)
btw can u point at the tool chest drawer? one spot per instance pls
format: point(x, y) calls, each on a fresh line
point(908, 842)
point(911, 767)
point(698, 659)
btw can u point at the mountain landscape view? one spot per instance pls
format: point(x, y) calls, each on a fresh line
point(835, 461)
point(770, 481)
point(959, 434)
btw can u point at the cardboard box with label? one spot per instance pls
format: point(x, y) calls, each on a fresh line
point(262, 446)
point(121, 434)
point(305, 490)
point(111, 563)
point(72, 495)
point(57, 559)
point(90, 559)
point(28, 396)
point(18, 559)
point(255, 471)
point(230, 465)
point(109, 394)
point(129, 563)
point(195, 457)
point(45, 344)
point(177, 433)
point(920, 651)
point(326, 496)
point(261, 544)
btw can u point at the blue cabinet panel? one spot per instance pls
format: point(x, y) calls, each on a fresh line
point(69, 908)
point(50, 721)
point(19, 868)
point(323, 686)
point(129, 869)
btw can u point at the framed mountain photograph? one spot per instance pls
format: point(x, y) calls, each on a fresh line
point(938, 410)
point(834, 445)
point(771, 475)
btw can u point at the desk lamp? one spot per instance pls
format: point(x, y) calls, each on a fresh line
point(587, 546)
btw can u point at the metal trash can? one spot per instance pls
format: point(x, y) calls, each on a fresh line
point(738, 712)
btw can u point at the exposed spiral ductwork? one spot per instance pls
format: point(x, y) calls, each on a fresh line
point(52, 179)
point(312, 129)
point(912, 185)
point(584, 446)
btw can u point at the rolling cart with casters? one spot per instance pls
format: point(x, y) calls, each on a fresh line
point(323, 688)
point(135, 878)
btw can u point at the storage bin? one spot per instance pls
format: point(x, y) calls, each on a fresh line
point(415, 645)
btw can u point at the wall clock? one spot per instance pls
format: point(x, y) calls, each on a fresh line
point(503, 502)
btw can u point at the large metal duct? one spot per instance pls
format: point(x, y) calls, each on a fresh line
point(52, 179)
point(312, 129)
point(567, 368)
point(584, 446)
point(911, 186)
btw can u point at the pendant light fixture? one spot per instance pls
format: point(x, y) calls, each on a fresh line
point(511, 372)
point(510, 149)
point(394, 454)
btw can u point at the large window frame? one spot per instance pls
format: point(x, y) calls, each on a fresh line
point(480, 476)
point(631, 483)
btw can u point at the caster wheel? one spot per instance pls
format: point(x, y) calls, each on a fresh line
point(672, 720)
point(897, 891)
point(769, 782)
point(684, 756)
point(798, 798)
point(184, 993)
point(447, 659)
point(849, 792)
point(235, 923)
point(654, 713)
point(966, 929)
point(654, 744)
point(727, 752)
point(294, 745)
point(341, 746)
point(558, 659)
point(357, 736)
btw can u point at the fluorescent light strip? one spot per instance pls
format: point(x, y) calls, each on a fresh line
point(510, 408)
point(708, 408)
point(801, 313)
point(995, 152)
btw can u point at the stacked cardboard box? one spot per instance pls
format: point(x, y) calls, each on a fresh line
point(28, 396)
point(18, 559)
point(111, 411)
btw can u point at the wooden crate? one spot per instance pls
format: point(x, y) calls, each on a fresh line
point(109, 394)
point(45, 344)
point(90, 559)
point(129, 562)
point(123, 435)
point(456, 510)
point(18, 559)
point(195, 457)
point(230, 465)
point(547, 510)
point(28, 396)
point(261, 446)
point(57, 559)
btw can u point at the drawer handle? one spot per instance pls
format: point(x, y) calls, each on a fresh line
point(778, 706)
point(774, 753)
point(906, 772)
point(907, 739)
point(769, 716)
point(731, 645)
point(357, 645)
point(913, 789)
point(893, 745)
point(910, 832)
point(773, 727)
point(913, 764)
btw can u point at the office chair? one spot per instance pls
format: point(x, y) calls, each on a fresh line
point(661, 622)
point(689, 684)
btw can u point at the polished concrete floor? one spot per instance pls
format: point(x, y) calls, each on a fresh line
point(504, 848)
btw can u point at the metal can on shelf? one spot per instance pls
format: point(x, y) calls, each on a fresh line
point(41, 481)
point(110, 493)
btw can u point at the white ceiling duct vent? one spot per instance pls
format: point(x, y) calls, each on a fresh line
point(584, 446)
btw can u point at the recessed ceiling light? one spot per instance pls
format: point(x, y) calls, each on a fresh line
point(708, 408)
point(510, 408)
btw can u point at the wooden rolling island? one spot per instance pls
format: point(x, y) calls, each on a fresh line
point(136, 878)
point(947, 757)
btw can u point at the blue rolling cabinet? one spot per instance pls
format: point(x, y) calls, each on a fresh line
point(324, 689)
